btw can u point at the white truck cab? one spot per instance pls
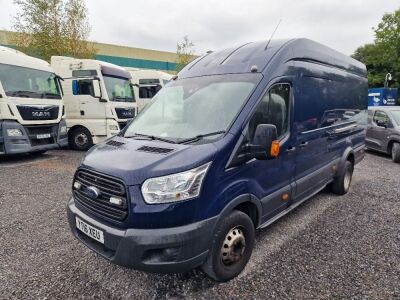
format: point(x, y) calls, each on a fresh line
point(99, 99)
point(31, 105)
point(147, 83)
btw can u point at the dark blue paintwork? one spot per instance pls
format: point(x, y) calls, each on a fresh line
point(328, 92)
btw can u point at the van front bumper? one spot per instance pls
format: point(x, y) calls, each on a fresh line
point(163, 250)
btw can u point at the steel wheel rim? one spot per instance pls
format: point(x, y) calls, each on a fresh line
point(81, 139)
point(233, 247)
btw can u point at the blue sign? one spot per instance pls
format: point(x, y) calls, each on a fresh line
point(382, 97)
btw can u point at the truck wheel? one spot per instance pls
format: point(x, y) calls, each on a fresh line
point(231, 248)
point(80, 139)
point(396, 152)
point(341, 184)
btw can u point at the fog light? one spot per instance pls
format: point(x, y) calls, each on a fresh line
point(113, 127)
point(14, 132)
point(63, 129)
point(77, 185)
point(116, 201)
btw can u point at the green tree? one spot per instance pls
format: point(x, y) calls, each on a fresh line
point(383, 56)
point(53, 27)
point(184, 53)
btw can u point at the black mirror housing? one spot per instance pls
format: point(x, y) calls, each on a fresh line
point(260, 146)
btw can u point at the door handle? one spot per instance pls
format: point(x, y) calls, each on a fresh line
point(303, 144)
point(290, 149)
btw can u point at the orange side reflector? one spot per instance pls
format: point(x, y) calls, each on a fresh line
point(285, 197)
point(274, 152)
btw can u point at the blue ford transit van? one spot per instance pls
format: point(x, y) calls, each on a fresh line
point(237, 140)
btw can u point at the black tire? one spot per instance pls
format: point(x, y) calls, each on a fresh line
point(38, 153)
point(226, 263)
point(80, 139)
point(396, 152)
point(341, 184)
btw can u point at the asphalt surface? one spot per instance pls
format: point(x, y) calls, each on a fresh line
point(329, 247)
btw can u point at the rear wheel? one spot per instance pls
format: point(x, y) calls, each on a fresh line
point(396, 152)
point(80, 139)
point(231, 248)
point(341, 184)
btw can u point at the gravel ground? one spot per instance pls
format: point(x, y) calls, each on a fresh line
point(329, 247)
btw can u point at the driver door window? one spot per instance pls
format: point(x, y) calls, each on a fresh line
point(273, 109)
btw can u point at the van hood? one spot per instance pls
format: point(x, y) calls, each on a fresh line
point(135, 160)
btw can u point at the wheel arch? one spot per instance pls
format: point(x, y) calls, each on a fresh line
point(246, 203)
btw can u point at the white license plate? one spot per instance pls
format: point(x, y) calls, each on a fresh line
point(43, 136)
point(89, 230)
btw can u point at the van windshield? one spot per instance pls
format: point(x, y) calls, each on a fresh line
point(195, 106)
point(28, 83)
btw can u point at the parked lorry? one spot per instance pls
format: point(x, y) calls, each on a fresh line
point(147, 83)
point(31, 105)
point(99, 99)
point(240, 138)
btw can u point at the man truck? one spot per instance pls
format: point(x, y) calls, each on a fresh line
point(147, 83)
point(31, 105)
point(99, 99)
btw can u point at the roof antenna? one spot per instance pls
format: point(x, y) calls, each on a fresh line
point(272, 35)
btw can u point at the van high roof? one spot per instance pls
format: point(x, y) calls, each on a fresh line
point(241, 59)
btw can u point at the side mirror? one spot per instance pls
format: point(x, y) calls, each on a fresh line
point(96, 89)
point(382, 123)
point(264, 144)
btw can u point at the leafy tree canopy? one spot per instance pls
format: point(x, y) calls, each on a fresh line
point(383, 56)
point(53, 27)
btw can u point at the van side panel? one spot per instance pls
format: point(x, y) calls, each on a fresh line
point(327, 100)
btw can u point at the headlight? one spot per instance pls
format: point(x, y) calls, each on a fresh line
point(176, 187)
point(63, 129)
point(113, 127)
point(14, 132)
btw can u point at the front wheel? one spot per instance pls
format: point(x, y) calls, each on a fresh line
point(396, 152)
point(80, 139)
point(232, 247)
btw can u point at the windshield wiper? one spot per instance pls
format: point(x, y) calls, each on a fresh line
point(200, 136)
point(52, 95)
point(25, 94)
point(121, 99)
point(151, 137)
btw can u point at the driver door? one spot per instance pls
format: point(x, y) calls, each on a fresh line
point(89, 106)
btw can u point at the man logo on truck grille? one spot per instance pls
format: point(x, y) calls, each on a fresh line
point(41, 114)
point(92, 192)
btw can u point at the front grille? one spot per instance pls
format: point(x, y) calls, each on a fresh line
point(35, 131)
point(125, 113)
point(122, 125)
point(108, 187)
point(38, 112)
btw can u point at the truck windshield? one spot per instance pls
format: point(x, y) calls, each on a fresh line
point(28, 83)
point(396, 116)
point(194, 107)
point(119, 89)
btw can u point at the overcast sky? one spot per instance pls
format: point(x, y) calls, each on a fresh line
point(212, 25)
